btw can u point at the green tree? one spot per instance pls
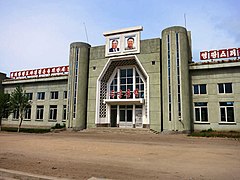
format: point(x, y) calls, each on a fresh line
point(19, 102)
point(4, 106)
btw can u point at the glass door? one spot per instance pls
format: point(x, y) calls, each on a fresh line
point(126, 115)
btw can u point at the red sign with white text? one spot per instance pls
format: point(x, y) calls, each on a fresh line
point(39, 72)
point(222, 53)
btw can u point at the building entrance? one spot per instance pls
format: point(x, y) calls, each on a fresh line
point(126, 116)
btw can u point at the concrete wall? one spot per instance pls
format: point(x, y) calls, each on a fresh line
point(53, 84)
point(150, 51)
point(172, 120)
point(96, 65)
point(211, 77)
point(2, 77)
point(150, 54)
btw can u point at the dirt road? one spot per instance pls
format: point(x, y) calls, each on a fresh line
point(120, 155)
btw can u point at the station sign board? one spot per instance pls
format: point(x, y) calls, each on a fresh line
point(222, 53)
point(40, 72)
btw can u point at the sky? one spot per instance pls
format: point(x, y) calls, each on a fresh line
point(38, 33)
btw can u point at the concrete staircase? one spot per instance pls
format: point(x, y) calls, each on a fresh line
point(119, 130)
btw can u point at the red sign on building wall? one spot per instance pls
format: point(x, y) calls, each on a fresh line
point(39, 72)
point(222, 53)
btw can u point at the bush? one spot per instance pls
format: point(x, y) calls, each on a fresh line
point(211, 133)
point(25, 130)
point(59, 126)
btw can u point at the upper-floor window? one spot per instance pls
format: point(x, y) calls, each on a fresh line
point(127, 84)
point(200, 89)
point(225, 87)
point(227, 111)
point(41, 95)
point(30, 96)
point(54, 95)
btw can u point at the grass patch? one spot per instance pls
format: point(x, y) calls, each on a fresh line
point(211, 133)
point(25, 130)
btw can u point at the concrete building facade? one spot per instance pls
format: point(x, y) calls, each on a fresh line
point(150, 83)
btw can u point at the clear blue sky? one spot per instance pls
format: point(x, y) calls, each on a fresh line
point(37, 33)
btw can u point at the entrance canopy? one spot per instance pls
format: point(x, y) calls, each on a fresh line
point(124, 101)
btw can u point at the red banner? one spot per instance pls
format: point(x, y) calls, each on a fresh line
point(222, 53)
point(39, 72)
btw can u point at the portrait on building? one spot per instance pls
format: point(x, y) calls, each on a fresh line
point(130, 42)
point(114, 45)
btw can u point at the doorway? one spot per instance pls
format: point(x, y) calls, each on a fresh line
point(126, 116)
point(113, 116)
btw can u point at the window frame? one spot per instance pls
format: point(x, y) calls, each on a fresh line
point(53, 113)
point(116, 76)
point(201, 108)
point(64, 113)
point(223, 88)
point(199, 89)
point(28, 114)
point(39, 112)
point(54, 95)
point(229, 105)
point(40, 95)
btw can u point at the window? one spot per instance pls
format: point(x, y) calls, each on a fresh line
point(65, 94)
point(127, 84)
point(199, 89)
point(178, 76)
point(41, 95)
point(40, 112)
point(227, 111)
point(64, 112)
point(28, 113)
point(5, 114)
point(225, 88)
point(30, 96)
point(201, 112)
point(16, 114)
point(54, 95)
point(77, 50)
point(169, 79)
point(53, 112)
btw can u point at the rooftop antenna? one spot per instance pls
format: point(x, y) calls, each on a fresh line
point(185, 20)
point(85, 31)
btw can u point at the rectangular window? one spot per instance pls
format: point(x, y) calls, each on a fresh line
point(200, 89)
point(65, 94)
point(54, 95)
point(41, 95)
point(16, 115)
point(40, 110)
point(64, 112)
point(30, 96)
point(201, 112)
point(53, 112)
point(225, 87)
point(27, 113)
point(227, 111)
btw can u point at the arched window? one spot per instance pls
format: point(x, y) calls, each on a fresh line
point(126, 83)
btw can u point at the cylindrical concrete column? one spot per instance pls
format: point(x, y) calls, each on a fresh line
point(78, 85)
point(176, 52)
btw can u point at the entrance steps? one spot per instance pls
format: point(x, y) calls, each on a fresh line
point(119, 130)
